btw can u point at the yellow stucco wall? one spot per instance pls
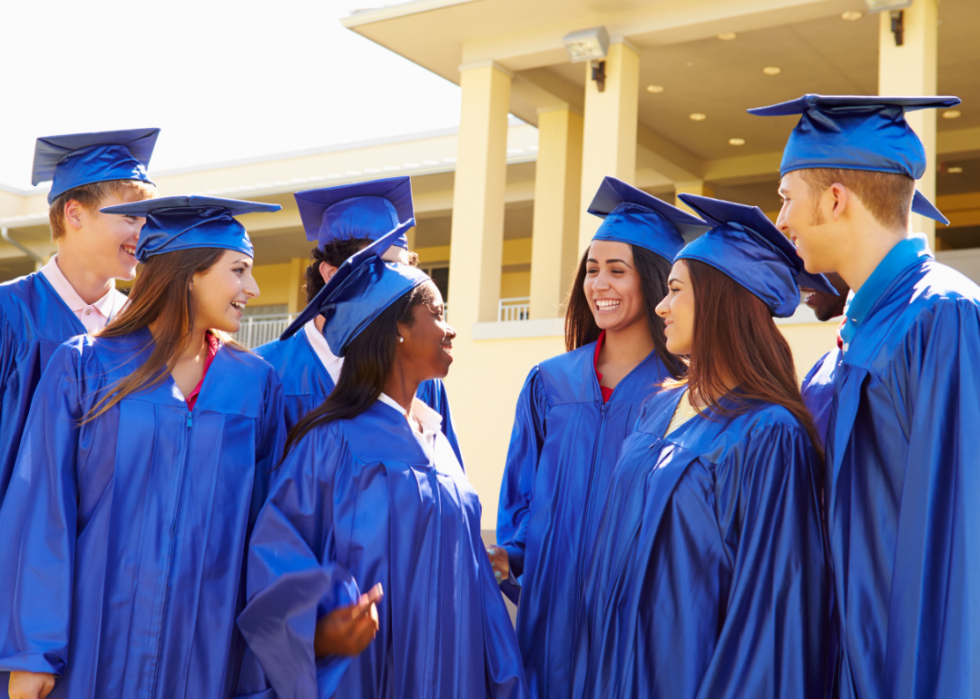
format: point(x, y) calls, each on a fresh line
point(273, 281)
point(483, 386)
point(515, 284)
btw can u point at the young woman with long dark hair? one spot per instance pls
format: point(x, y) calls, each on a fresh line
point(710, 577)
point(343, 220)
point(573, 414)
point(143, 465)
point(370, 495)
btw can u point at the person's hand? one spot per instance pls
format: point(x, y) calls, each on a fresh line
point(500, 562)
point(30, 685)
point(349, 630)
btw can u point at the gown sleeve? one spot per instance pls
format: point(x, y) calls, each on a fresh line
point(773, 637)
point(293, 578)
point(433, 393)
point(933, 639)
point(38, 526)
point(505, 667)
point(513, 509)
point(272, 440)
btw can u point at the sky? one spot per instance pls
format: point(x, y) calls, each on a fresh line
point(222, 80)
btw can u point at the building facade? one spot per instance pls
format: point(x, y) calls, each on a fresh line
point(501, 201)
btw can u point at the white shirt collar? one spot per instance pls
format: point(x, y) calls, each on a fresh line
point(332, 363)
point(428, 419)
point(105, 305)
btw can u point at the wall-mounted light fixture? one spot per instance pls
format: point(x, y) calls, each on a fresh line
point(587, 44)
point(895, 7)
point(590, 45)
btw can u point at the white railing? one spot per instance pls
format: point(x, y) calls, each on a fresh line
point(518, 308)
point(257, 330)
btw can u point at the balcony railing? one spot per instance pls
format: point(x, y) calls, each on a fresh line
point(518, 308)
point(257, 330)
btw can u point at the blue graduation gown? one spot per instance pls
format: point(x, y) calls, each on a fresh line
point(307, 383)
point(358, 502)
point(903, 470)
point(125, 537)
point(563, 447)
point(34, 321)
point(818, 391)
point(709, 576)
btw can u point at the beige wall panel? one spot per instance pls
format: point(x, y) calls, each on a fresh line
point(809, 342)
point(273, 281)
point(515, 285)
point(483, 386)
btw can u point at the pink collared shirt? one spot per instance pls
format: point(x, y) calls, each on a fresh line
point(93, 316)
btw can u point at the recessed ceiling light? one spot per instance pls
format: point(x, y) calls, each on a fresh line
point(736, 141)
point(728, 36)
point(852, 16)
point(772, 70)
point(952, 114)
point(697, 116)
point(655, 89)
point(954, 170)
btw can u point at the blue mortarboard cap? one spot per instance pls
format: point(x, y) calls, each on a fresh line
point(635, 217)
point(186, 222)
point(361, 210)
point(746, 246)
point(922, 206)
point(72, 160)
point(854, 133)
point(359, 291)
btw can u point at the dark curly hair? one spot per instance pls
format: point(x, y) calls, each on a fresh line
point(334, 253)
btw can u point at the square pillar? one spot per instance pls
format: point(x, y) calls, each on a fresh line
point(911, 69)
point(477, 236)
point(609, 139)
point(557, 188)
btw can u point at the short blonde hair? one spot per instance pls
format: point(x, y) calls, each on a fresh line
point(91, 196)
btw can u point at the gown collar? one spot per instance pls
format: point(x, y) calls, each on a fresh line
point(907, 253)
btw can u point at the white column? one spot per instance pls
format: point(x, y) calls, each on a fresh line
point(911, 69)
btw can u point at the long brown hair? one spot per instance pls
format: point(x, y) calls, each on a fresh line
point(736, 339)
point(162, 295)
point(580, 325)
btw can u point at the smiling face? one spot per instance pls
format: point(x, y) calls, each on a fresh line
point(808, 220)
point(104, 243)
point(826, 306)
point(677, 310)
point(613, 286)
point(219, 294)
point(427, 349)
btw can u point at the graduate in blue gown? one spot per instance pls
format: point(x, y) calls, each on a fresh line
point(572, 416)
point(709, 578)
point(818, 384)
point(902, 477)
point(371, 496)
point(44, 309)
point(144, 461)
point(343, 220)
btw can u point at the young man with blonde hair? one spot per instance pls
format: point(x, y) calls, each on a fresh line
point(74, 293)
point(902, 477)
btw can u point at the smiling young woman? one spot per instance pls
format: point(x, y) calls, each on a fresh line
point(370, 496)
point(343, 220)
point(149, 448)
point(572, 416)
point(710, 578)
